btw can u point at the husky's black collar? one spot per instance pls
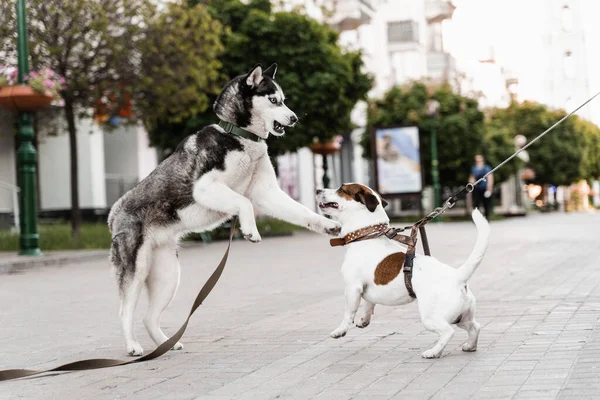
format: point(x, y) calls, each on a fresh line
point(231, 128)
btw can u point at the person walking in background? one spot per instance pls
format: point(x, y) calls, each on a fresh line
point(482, 193)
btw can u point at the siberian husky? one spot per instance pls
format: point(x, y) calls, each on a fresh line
point(213, 175)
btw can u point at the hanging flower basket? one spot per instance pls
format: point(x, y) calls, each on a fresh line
point(327, 148)
point(43, 87)
point(23, 98)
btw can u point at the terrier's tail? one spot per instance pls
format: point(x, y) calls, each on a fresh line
point(466, 270)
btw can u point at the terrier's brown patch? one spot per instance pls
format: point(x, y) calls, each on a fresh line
point(389, 268)
point(353, 191)
point(360, 193)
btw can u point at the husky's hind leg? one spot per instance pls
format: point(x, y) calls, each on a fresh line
point(162, 283)
point(131, 258)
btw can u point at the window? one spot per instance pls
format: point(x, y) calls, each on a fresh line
point(403, 31)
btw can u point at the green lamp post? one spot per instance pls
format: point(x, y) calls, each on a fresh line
point(432, 108)
point(29, 240)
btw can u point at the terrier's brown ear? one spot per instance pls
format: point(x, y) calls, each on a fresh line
point(371, 201)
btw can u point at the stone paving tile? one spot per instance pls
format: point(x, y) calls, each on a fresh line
point(263, 332)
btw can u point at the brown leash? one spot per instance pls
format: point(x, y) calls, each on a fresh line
point(97, 363)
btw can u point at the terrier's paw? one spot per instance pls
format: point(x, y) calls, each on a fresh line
point(338, 333)
point(431, 354)
point(134, 349)
point(178, 346)
point(468, 347)
point(363, 323)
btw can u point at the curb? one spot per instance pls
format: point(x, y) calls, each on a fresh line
point(18, 264)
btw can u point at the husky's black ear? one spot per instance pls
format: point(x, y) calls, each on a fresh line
point(271, 71)
point(255, 76)
point(371, 201)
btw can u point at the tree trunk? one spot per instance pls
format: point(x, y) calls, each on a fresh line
point(75, 211)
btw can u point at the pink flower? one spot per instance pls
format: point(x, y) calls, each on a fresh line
point(33, 74)
point(62, 80)
point(49, 84)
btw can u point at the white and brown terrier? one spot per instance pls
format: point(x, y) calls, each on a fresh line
point(372, 270)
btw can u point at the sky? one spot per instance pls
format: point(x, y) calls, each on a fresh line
point(515, 29)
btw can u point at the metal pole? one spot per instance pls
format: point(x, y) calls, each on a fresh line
point(326, 179)
point(29, 240)
point(435, 172)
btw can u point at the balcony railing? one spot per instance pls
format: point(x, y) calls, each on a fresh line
point(350, 14)
point(438, 10)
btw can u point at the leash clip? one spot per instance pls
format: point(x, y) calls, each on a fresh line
point(391, 235)
point(451, 202)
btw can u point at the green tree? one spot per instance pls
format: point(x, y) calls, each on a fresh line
point(322, 82)
point(459, 126)
point(591, 154)
point(560, 157)
point(166, 60)
point(179, 69)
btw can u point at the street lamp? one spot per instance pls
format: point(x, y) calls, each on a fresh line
point(29, 240)
point(432, 108)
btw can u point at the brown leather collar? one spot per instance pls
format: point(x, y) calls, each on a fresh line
point(370, 232)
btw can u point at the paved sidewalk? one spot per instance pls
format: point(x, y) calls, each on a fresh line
point(263, 332)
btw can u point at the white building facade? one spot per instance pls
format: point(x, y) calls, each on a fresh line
point(110, 163)
point(401, 41)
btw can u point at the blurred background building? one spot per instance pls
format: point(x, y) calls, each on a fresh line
point(495, 50)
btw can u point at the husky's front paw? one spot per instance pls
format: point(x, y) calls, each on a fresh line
point(338, 333)
point(250, 232)
point(328, 227)
point(253, 237)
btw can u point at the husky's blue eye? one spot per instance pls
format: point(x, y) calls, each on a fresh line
point(273, 100)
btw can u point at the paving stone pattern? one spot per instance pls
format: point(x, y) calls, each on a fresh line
point(263, 332)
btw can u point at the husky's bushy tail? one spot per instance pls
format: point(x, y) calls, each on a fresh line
point(466, 270)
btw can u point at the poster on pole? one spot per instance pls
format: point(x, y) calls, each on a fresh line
point(397, 160)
